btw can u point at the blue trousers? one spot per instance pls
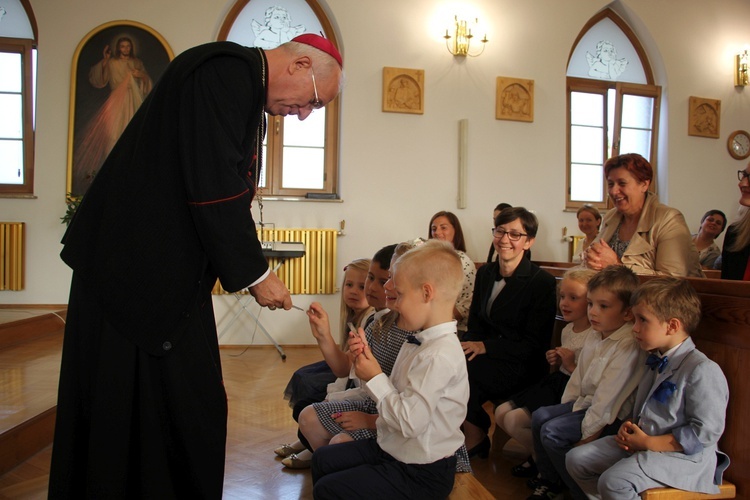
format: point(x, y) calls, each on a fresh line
point(362, 470)
point(555, 430)
point(604, 470)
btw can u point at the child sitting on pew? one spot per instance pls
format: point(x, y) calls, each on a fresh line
point(679, 411)
point(351, 415)
point(423, 403)
point(599, 392)
point(514, 416)
point(310, 383)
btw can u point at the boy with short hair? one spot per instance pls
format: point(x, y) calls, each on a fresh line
point(679, 412)
point(599, 391)
point(421, 406)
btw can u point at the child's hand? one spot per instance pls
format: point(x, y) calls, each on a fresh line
point(365, 365)
point(319, 324)
point(553, 358)
point(631, 438)
point(352, 420)
point(357, 342)
point(473, 349)
point(567, 358)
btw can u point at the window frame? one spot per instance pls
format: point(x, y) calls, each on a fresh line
point(578, 84)
point(273, 155)
point(621, 89)
point(24, 48)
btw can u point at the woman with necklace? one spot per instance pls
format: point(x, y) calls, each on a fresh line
point(641, 233)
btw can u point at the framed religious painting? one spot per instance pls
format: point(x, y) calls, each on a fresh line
point(704, 117)
point(114, 68)
point(514, 99)
point(403, 90)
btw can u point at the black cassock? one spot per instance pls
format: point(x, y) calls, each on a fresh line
point(142, 409)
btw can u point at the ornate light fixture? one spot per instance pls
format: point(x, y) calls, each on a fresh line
point(461, 44)
point(740, 70)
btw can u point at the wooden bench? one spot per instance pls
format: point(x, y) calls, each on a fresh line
point(724, 336)
point(468, 487)
point(727, 490)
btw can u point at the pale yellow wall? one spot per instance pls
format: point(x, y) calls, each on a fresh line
point(398, 169)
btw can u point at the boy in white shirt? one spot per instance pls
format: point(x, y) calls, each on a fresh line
point(679, 413)
point(422, 405)
point(599, 393)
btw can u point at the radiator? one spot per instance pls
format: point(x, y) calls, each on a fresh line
point(315, 272)
point(11, 255)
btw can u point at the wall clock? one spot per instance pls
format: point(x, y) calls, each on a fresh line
point(738, 144)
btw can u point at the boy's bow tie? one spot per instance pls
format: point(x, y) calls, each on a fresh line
point(413, 340)
point(653, 361)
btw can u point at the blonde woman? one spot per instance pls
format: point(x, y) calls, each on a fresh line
point(735, 258)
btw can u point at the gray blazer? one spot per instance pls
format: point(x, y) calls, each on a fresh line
point(694, 413)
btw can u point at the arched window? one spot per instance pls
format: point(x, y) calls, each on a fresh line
point(300, 158)
point(18, 37)
point(613, 106)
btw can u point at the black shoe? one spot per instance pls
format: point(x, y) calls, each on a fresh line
point(546, 491)
point(534, 482)
point(482, 450)
point(526, 469)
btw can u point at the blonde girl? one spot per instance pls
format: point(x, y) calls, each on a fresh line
point(310, 382)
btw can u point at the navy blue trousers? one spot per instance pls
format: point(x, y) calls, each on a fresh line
point(361, 469)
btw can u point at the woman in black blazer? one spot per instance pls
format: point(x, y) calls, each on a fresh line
point(510, 323)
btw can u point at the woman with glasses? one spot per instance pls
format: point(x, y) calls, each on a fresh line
point(735, 256)
point(712, 225)
point(510, 324)
point(641, 233)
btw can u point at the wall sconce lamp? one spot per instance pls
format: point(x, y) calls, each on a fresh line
point(740, 70)
point(461, 44)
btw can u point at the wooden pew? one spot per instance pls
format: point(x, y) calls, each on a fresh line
point(710, 273)
point(468, 487)
point(724, 336)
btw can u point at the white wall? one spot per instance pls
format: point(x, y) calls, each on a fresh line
point(398, 169)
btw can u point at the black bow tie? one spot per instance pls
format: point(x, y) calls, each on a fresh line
point(413, 340)
point(653, 361)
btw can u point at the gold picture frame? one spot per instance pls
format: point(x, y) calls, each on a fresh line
point(403, 90)
point(514, 99)
point(704, 117)
point(99, 107)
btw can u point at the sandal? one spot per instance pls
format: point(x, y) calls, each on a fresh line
point(294, 462)
point(285, 450)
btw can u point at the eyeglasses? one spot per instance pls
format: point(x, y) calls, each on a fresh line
point(512, 235)
point(742, 174)
point(316, 103)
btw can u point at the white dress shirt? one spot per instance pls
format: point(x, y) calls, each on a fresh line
point(605, 380)
point(423, 404)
